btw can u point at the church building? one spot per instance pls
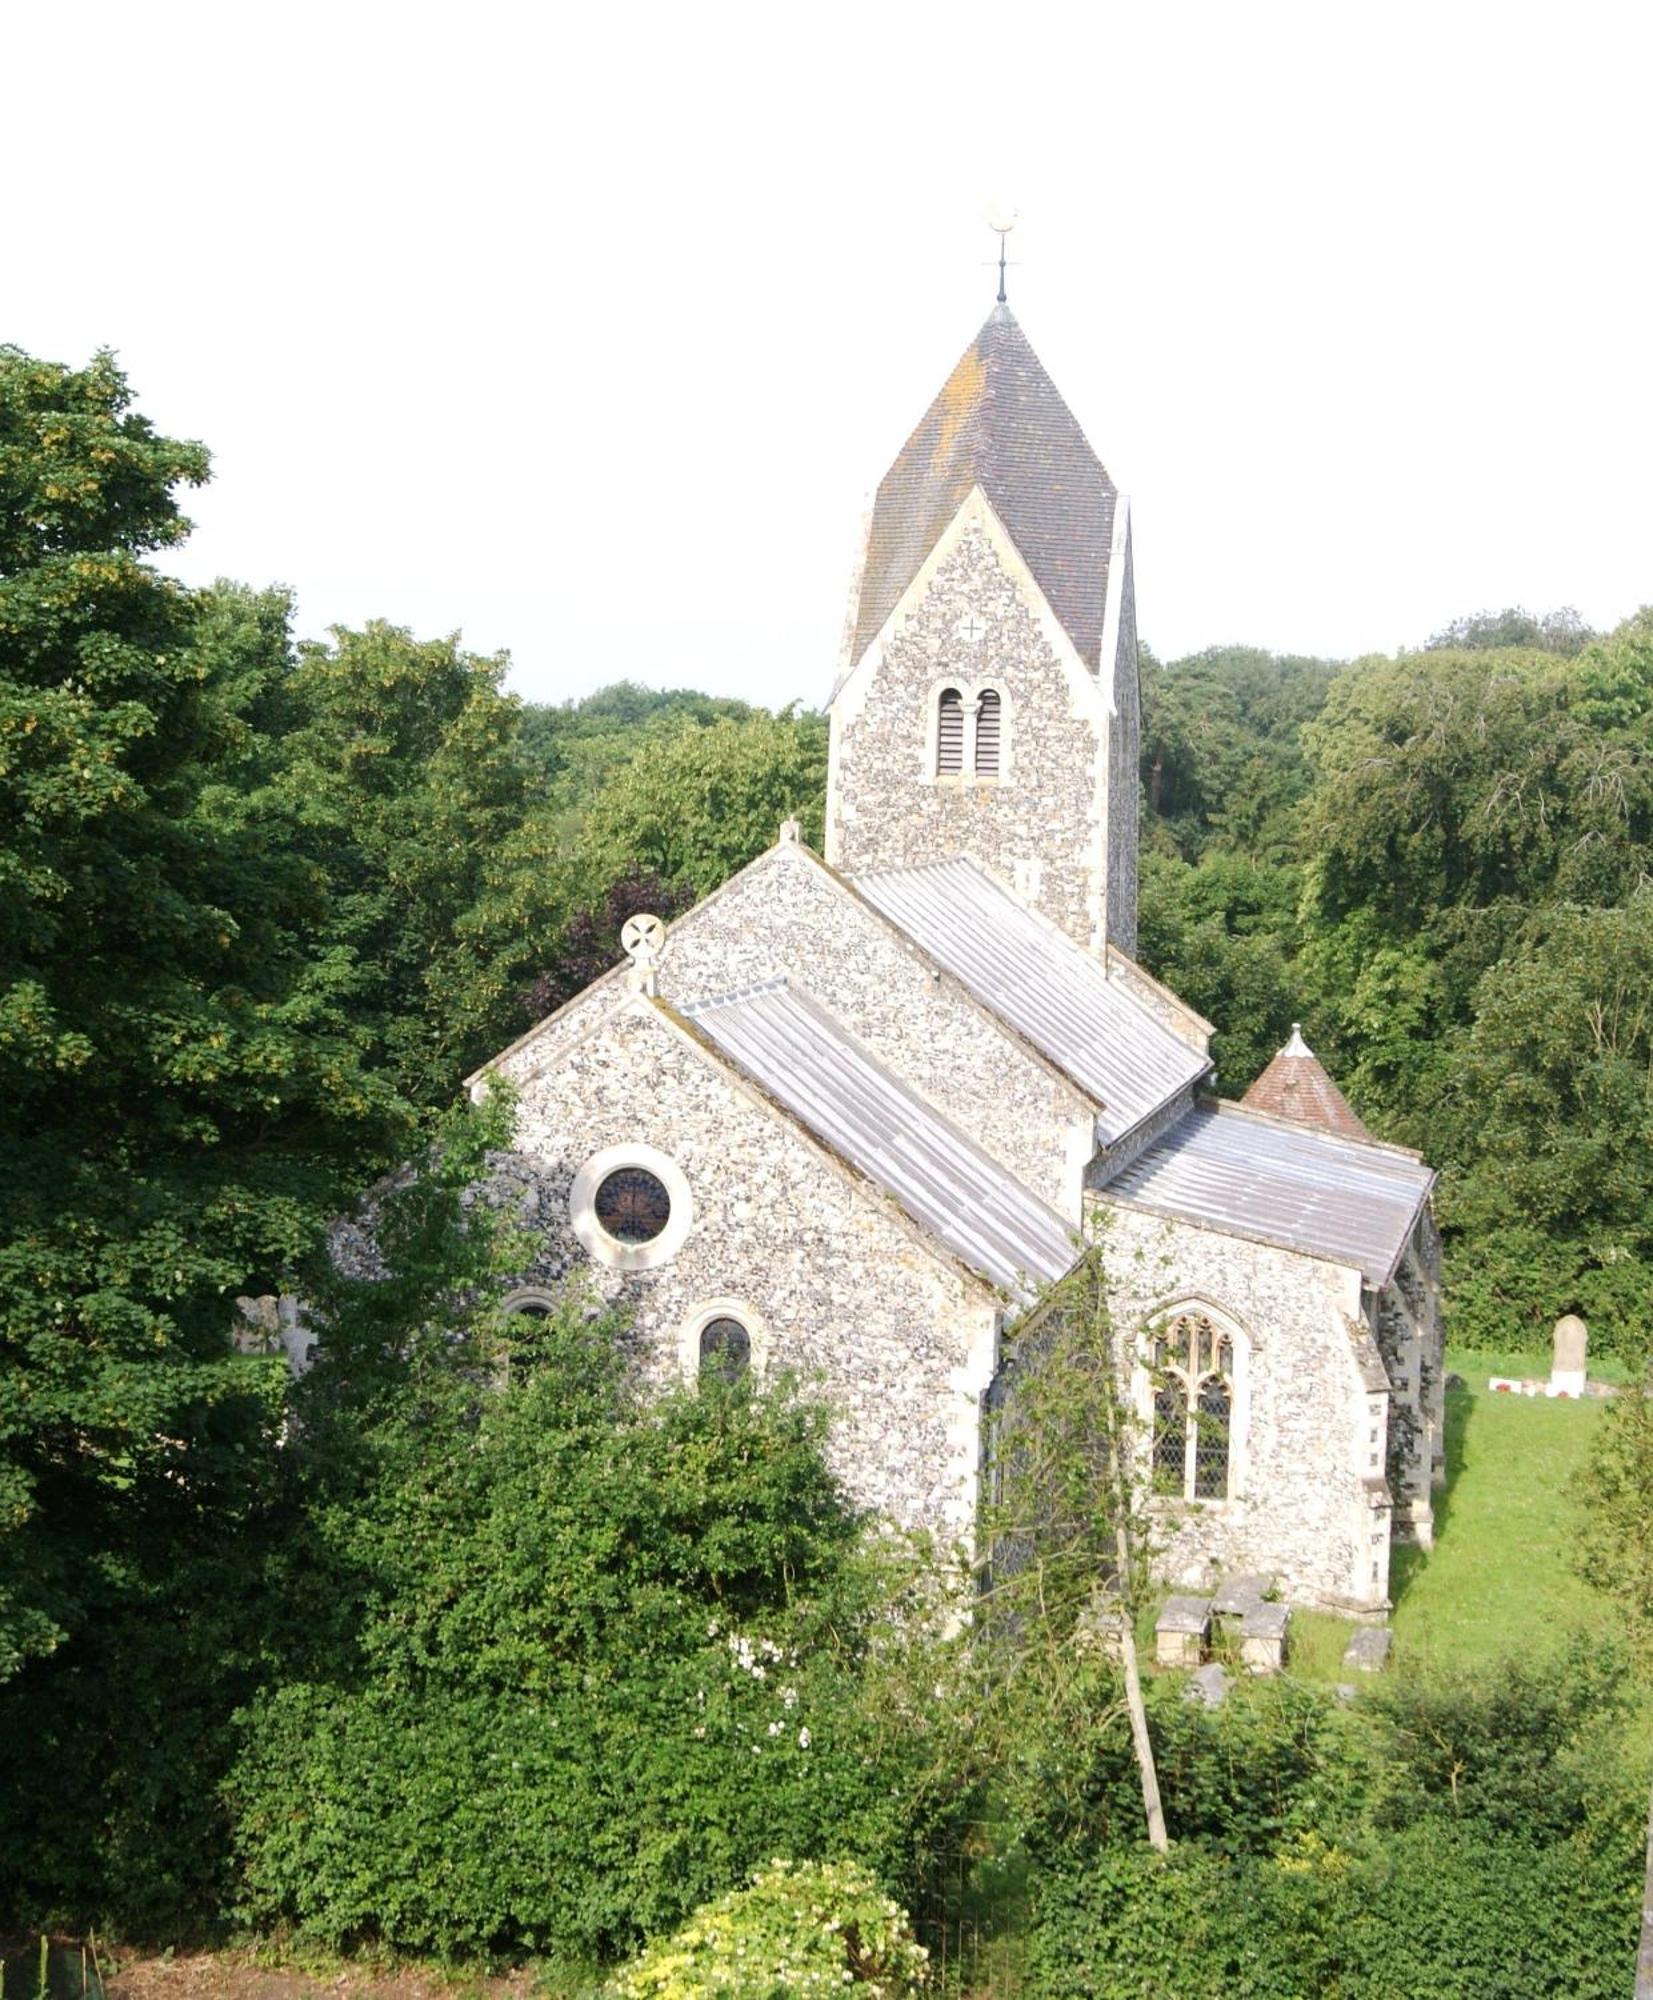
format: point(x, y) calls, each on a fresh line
point(850, 1114)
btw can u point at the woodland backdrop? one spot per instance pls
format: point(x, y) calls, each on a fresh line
point(267, 898)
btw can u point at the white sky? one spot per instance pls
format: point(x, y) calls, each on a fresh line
point(589, 330)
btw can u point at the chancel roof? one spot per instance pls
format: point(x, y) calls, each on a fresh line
point(1350, 1201)
point(1000, 424)
point(976, 1208)
point(1045, 986)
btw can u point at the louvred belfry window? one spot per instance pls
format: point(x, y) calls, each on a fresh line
point(1193, 1367)
point(950, 734)
point(987, 735)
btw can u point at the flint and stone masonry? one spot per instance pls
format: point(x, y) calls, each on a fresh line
point(826, 1236)
point(836, 1284)
point(1043, 823)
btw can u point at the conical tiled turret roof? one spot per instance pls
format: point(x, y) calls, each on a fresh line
point(998, 423)
point(1296, 1086)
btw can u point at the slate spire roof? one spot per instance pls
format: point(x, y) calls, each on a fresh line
point(1296, 1085)
point(998, 423)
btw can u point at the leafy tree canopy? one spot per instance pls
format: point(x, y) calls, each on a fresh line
point(190, 1094)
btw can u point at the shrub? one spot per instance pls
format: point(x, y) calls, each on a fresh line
point(1443, 1840)
point(796, 1930)
point(606, 1655)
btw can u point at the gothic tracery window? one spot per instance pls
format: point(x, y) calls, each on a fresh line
point(950, 734)
point(1193, 1380)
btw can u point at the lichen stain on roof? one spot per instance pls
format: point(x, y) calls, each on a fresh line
point(998, 423)
point(956, 405)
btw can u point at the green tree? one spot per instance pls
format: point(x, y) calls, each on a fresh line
point(405, 782)
point(694, 806)
point(188, 1097)
point(1560, 631)
point(566, 1661)
point(1546, 1122)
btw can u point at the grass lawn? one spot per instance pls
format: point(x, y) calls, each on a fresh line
point(1499, 1579)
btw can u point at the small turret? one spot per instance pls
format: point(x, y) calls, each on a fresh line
point(1296, 1086)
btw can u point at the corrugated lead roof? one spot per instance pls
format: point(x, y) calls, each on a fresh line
point(998, 423)
point(1043, 984)
point(1334, 1198)
point(945, 1182)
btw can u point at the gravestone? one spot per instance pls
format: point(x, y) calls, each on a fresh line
point(1208, 1684)
point(1182, 1631)
point(1567, 1367)
point(1263, 1638)
point(1368, 1650)
point(1237, 1594)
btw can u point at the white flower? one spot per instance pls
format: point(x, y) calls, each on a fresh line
point(804, 1738)
point(775, 1728)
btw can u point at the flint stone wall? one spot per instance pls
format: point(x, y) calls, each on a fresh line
point(786, 914)
point(1303, 1506)
point(1039, 825)
point(900, 1341)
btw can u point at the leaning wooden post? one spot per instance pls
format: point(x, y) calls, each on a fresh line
point(1644, 1958)
point(1123, 1499)
point(1140, 1740)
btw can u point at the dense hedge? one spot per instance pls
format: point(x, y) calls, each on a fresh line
point(609, 1658)
point(1443, 1842)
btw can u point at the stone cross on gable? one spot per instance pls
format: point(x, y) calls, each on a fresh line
point(973, 628)
point(641, 937)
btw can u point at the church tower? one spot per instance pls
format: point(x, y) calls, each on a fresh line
point(986, 703)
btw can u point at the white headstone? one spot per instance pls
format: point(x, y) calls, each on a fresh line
point(1572, 1340)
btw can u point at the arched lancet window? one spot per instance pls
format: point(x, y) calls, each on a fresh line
point(950, 734)
point(1193, 1369)
point(987, 734)
point(725, 1349)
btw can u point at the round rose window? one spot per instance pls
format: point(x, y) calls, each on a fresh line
point(632, 1205)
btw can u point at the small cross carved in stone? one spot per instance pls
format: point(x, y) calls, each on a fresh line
point(973, 628)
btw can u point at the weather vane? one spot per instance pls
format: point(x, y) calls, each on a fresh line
point(1001, 219)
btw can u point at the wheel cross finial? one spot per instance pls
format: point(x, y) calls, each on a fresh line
point(642, 936)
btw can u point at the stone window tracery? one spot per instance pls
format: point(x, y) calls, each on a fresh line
point(1193, 1409)
point(631, 1207)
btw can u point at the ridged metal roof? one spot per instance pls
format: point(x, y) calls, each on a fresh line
point(945, 1182)
point(1043, 984)
point(998, 423)
point(1330, 1197)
